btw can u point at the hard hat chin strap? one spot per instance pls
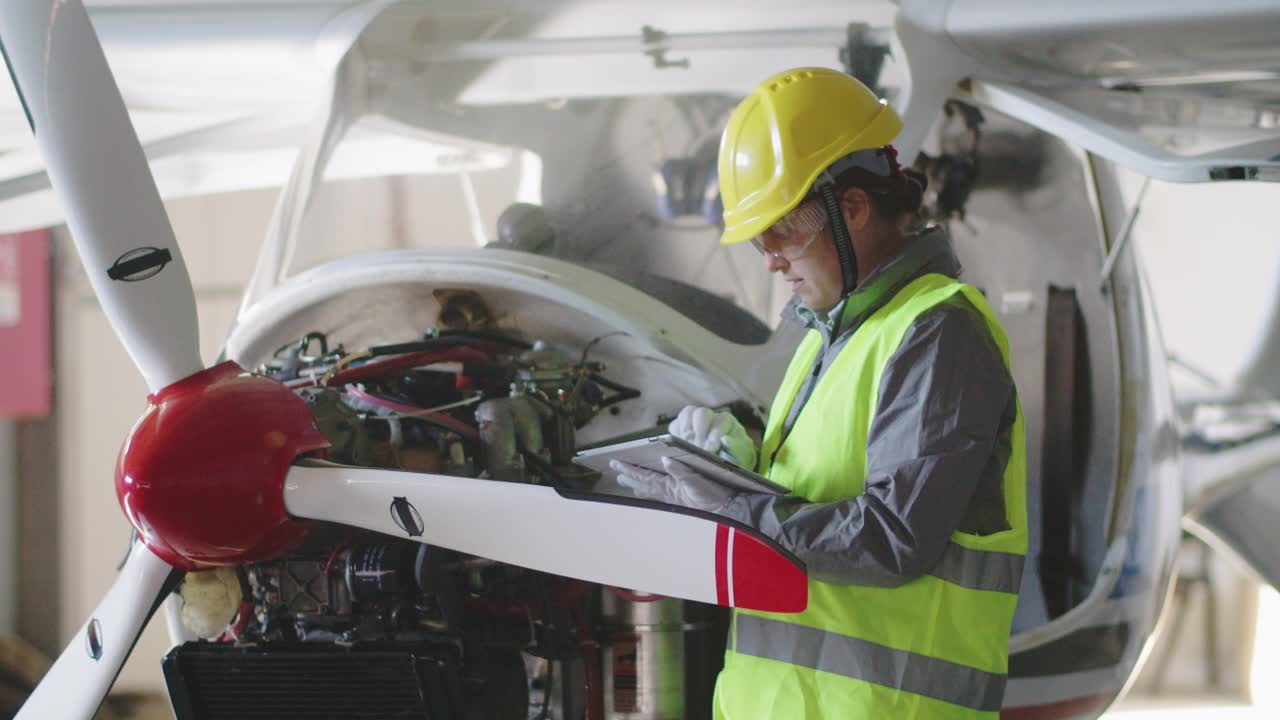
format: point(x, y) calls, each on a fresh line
point(878, 161)
point(840, 236)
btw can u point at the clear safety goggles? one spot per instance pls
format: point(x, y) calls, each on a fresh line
point(791, 237)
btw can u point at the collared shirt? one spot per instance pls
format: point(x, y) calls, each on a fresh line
point(937, 446)
point(929, 251)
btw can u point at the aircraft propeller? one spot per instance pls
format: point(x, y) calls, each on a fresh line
point(208, 476)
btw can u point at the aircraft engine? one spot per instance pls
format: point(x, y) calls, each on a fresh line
point(358, 624)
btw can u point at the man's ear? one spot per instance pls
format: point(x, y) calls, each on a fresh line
point(856, 206)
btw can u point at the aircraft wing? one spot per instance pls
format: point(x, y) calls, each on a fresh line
point(1177, 91)
point(216, 154)
point(217, 95)
point(1232, 466)
point(1184, 92)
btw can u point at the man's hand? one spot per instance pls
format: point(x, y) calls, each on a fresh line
point(679, 485)
point(715, 432)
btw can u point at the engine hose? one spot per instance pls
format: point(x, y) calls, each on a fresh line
point(487, 336)
point(622, 392)
point(488, 342)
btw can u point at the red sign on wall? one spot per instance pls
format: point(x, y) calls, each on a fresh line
point(25, 342)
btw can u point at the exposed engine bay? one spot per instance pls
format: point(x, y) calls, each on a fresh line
point(371, 626)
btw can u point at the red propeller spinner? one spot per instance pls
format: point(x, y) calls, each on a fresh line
point(201, 474)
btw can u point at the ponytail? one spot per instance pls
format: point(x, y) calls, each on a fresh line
point(897, 194)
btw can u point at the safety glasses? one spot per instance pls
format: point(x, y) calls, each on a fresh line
point(792, 236)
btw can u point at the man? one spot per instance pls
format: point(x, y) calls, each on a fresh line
point(897, 429)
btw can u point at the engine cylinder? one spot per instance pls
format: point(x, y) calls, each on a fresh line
point(644, 666)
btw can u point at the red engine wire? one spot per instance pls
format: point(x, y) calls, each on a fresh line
point(591, 666)
point(346, 539)
point(374, 368)
point(457, 426)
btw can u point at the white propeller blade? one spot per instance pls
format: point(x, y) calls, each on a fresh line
point(83, 674)
point(628, 544)
point(96, 164)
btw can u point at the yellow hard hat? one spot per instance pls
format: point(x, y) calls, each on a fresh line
point(784, 134)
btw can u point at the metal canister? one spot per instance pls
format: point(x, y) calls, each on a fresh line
point(644, 673)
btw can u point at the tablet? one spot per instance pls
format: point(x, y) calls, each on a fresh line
point(648, 453)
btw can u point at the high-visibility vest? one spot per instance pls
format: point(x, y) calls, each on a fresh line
point(934, 647)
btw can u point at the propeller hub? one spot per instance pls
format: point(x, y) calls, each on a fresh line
point(201, 475)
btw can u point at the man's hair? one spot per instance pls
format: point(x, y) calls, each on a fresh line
point(893, 196)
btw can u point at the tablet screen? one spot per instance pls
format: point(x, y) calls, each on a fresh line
point(648, 453)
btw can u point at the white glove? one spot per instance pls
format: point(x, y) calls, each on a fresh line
point(679, 485)
point(716, 432)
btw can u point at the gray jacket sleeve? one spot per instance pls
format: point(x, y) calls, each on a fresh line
point(936, 454)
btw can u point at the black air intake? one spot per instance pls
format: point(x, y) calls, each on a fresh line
point(209, 681)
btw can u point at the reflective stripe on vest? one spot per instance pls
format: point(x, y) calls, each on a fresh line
point(980, 569)
point(869, 662)
point(936, 646)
